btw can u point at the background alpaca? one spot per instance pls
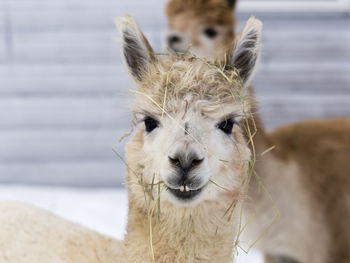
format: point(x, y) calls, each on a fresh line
point(291, 171)
point(193, 112)
point(203, 27)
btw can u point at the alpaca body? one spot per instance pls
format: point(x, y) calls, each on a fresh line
point(307, 174)
point(30, 235)
point(308, 178)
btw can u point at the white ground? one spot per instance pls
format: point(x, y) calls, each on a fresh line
point(104, 210)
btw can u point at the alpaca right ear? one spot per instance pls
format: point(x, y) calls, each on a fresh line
point(247, 49)
point(138, 53)
point(231, 3)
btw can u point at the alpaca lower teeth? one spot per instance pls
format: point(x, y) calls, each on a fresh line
point(186, 189)
point(182, 188)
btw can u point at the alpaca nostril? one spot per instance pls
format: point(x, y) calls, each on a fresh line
point(175, 161)
point(196, 162)
point(174, 39)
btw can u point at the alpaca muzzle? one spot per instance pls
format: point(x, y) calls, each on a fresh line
point(185, 182)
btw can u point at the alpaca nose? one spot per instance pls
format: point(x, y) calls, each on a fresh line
point(173, 39)
point(185, 161)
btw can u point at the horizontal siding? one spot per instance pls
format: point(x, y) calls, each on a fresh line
point(77, 14)
point(276, 112)
point(2, 33)
point(64, 112)
point(57, 45)
point(86, 173)
point(62, 79)
point(59, 144)
point(64, 93)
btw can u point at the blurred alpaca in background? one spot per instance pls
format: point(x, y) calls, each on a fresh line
point(306, 173)
point(206, 28)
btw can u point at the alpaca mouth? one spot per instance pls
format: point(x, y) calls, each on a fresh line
point(184, 193)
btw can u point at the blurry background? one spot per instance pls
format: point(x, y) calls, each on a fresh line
point(64, 98)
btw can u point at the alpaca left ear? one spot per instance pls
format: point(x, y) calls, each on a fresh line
point(138, 53)
point(247, 49)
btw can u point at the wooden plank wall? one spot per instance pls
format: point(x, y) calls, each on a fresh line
point(64, 97)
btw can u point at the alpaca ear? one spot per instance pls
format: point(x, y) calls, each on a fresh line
point(138, 53)
point(232, 3)
point(247, 49)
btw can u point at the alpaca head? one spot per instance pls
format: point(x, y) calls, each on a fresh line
point(190, 142)
point(205, 28)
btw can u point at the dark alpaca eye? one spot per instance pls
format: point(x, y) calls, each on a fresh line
point(226, 126)
point(210, 32)
point(150, 124)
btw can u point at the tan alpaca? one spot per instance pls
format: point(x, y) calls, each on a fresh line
point(204, 27)
point(189, 148)
point(307, 174)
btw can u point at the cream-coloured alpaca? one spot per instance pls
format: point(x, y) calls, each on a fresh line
point(307, 174)
point(188, 149)
point(31, 235)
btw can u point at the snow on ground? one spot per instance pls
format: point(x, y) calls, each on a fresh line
point(104, 210)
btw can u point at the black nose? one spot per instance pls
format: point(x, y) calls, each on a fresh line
point(173, 39)
point(185, 161)
point(184, 164)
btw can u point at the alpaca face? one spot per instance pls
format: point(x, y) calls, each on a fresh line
point(188, 32)
point(190, 144)
point(194, 149)
point(205, 28)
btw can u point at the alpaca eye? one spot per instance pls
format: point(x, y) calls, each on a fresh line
point(150, 124)
point(226, 126)
point(210, 32)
